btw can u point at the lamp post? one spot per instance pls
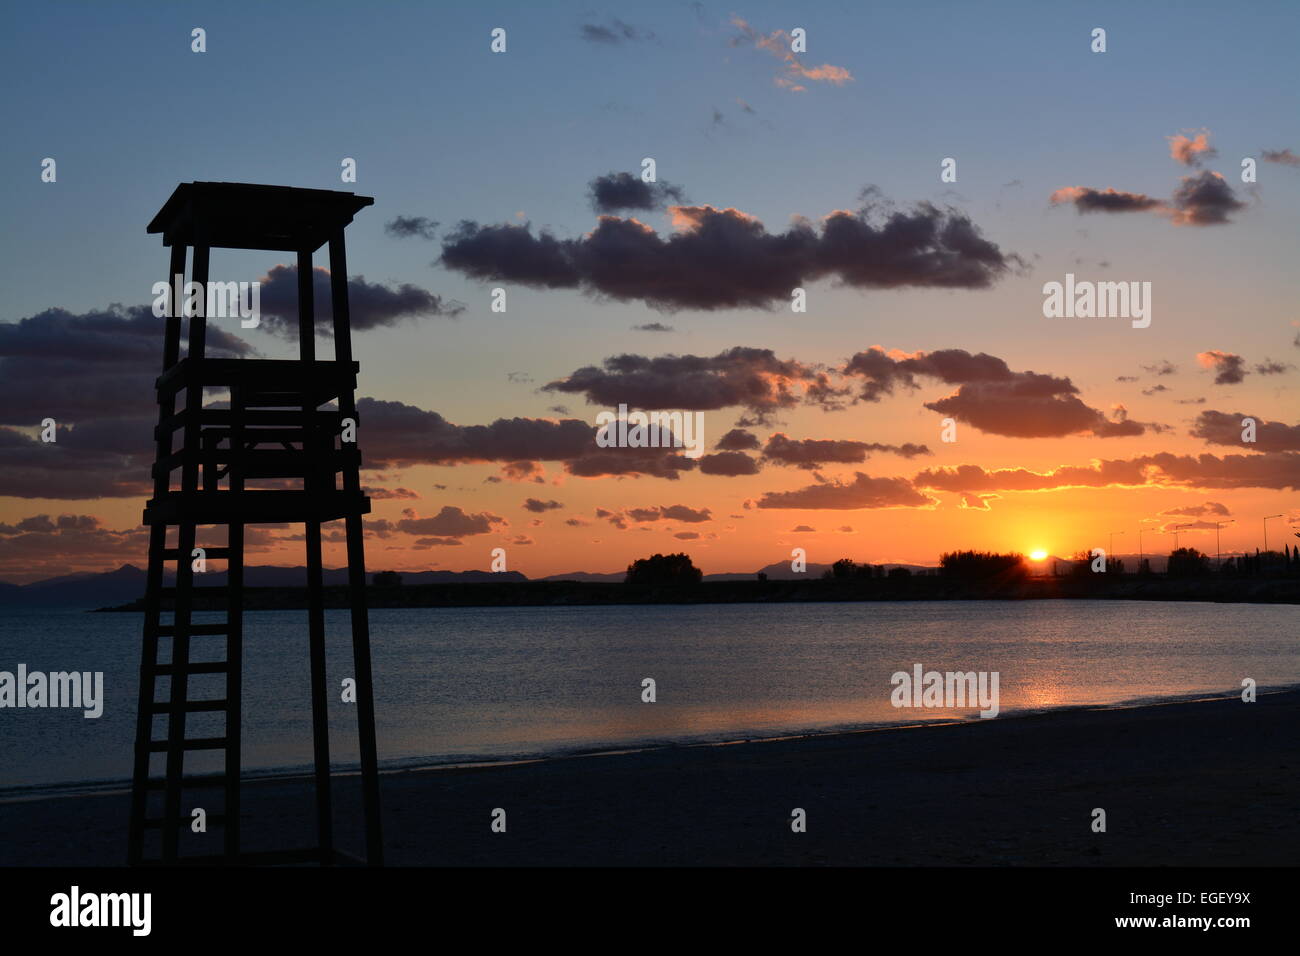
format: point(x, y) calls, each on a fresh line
point(1264, 557)
point(1266, 520)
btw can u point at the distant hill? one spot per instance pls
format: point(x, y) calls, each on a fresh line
point(127, 583)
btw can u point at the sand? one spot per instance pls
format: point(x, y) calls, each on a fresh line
point(1205, 783)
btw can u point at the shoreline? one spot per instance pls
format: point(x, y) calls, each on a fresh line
point(1210, 781)
point(1215, 590)
point(434, 764)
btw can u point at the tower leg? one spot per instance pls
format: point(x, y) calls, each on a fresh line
point(365, 690)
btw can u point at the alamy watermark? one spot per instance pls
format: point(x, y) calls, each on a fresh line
point(36, 689)
point(1098, 300)
point(221, 300)
point(677, 429)
point(922, 688)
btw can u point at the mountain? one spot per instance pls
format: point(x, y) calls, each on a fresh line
point(78, 590)
point(127, 583)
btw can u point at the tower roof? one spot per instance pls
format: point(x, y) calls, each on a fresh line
point(250, 216)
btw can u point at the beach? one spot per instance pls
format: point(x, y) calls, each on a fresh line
point(1199, 783)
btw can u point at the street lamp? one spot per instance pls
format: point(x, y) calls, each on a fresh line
point(1264, 557)
point(1266, 520)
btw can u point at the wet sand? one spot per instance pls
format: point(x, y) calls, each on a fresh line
point(1206, 783)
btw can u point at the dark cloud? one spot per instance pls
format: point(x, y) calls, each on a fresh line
point(450, 522)
point(93, 373)
point(1202, 199)
point(990, 397)
point(395, 434)
point(404, 227)
point(811, 453)
point(1277, 470)
point(1225, 428)
point(738, 440)
point(863, 492)
point(617, 191)
point(538, 506)
point(1270, 367)
point(1283, 156)
point(1229, 368)
point(652, 327)
point(370, 305)
point(752, 378)
point(1087, 199)
point(729, 463)
point(614, 33)
point(725, 259)
point(1162, 367)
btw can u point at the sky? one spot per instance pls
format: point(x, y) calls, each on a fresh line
point(819, 169)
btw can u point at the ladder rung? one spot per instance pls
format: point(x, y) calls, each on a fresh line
point(188, 783)
point(190, 706)
point(196, 630)
point(210, 667)
point(194, 743)
point(174, 554)
point(156, 823)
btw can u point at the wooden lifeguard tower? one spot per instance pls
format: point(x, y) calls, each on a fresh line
point(278, 426)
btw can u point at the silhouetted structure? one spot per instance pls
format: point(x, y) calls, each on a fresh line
point(275, 431)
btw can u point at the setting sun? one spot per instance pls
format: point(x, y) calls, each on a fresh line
point(1037, 554)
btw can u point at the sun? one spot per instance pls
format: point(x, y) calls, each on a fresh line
point(1037, 554)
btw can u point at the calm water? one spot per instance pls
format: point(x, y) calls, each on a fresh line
point(491, 683)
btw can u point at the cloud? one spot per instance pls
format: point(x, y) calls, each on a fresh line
point(93, 373)
point(1087, 199)
point(1162, 367)
point(738, 440)
point(811, 453)
point(1191, 151)
point(1198, 511)
point(1276, 470)
point(991, 397)
point(370, 305)
point(1282, 156)
point(652, 327)
point(1270, 367)
point(615, 33)
point(43, 545)
point(863, 492)
point(538, 506)
point(617, 191)
point(793, 73)
point(450, 522)
point(977, 502)
point(1229, 368)
point(751, 378)
point(1202, 199)
point(404, 227)
point(681, 513)
point(1225, 428)
point(726, 259)
point(729, 463)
